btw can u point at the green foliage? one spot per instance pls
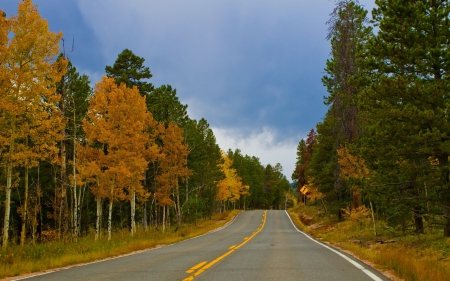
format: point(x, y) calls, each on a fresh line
point(300, 148)
point(348, 32)
point(388, 106)
point(129, 69)
point(405, 106)
point(268, 185)
point(163, 103)
point(203, 161)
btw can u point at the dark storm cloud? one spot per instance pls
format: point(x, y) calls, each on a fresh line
point(239, 63)
point(66, 17)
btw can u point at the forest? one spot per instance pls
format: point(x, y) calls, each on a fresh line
point(123, 155)
point(383, 147)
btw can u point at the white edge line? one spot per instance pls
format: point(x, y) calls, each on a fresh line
point(357, 265)
point(124, 255)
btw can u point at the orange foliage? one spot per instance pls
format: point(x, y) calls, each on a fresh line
point(28, 72)
point(118, 146)
point(172, 163)
point(31, 122)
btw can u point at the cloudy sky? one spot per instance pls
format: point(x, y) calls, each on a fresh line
point(251, 68)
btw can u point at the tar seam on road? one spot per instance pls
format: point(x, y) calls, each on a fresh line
point(246, 239)
point(357, 265)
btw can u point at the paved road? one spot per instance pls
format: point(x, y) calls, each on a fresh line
point(258, 245)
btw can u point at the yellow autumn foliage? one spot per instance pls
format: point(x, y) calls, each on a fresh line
point(351, 166)
point(230, 188)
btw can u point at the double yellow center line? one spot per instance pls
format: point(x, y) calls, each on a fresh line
point(205, 265)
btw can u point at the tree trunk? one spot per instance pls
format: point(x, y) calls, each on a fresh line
point(373, 219)
point(178, 206)
point(187, 182)
point(63, 204)
point(110, 209)
point(418, 219)
point(7, 205)
point(357, 199)
point(76, 198)
point(447, 217)
point(144, 217)
point(39, 230)
point(99, 213)
point(164, 220)
point(9, 169)
point(24, 211)
point(133, 212)
point(110, 218)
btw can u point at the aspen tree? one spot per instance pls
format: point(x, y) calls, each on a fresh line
point(117, 126)
point(89, 172)
point(28, 95)
point(172, 168)
point(230, 188)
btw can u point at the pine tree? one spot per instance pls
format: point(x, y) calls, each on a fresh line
point(300, 147)
point(204, 156)
point(404, 110)
point(130, 70)
point(163, 103)
point(348, 32)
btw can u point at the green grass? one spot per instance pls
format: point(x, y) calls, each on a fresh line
point(18, 260)
point(410, 257)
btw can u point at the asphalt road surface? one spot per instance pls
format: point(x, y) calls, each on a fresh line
point(257, 245)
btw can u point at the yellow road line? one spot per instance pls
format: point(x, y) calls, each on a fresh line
point(232, 247)
point(200, 271)
point(194, 268)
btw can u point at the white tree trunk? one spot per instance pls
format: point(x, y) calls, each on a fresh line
point(110, 218)
point(76, 230)
point(7, 205)
point(25, 211)
point(99, 213)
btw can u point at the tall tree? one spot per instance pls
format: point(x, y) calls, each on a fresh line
point(166, 108)
point(74, 90)
point(117, 127)
point(77, 101)
point(348, 33)
point(172, 168)
point(31, 120)
point(230, 188)
point(300, 147)
point(405, 108)
point(130, 70)
point(204, 156)
point(305, 153)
